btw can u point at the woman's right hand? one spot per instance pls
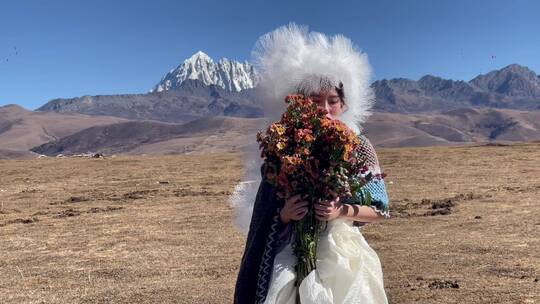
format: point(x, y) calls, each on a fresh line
point(294, 209)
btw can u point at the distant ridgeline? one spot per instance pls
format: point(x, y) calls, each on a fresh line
point(199, 88)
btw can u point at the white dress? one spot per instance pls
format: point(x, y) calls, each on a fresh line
point(348, 271)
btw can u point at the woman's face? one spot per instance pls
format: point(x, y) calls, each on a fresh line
point(330, 101)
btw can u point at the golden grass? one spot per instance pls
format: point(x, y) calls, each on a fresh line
point(158, 229)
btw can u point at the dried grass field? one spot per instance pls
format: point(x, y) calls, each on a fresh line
point(157, 229)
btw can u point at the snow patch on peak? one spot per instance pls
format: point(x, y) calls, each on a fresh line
point(201, 56)
point(228, 74)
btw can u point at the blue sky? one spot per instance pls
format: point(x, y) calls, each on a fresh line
point(74, 48)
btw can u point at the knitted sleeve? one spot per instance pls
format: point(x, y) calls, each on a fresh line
point(375, 186)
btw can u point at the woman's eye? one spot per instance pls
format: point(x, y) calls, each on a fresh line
point(333, 100)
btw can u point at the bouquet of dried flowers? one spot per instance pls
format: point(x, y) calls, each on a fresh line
point(306, 152)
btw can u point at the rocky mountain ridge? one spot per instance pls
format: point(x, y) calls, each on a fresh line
point(512, 87)
point(190, 101)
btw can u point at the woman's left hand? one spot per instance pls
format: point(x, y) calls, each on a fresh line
point(328, 210)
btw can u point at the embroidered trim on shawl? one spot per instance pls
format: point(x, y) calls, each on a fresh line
point(265, 269)
point(385, 213)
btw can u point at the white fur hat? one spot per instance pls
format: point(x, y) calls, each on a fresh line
point(291, 54)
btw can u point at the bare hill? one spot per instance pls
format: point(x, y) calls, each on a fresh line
point(139, 137)
point(21, 129)
point(459, 126)
point(17, 154)
point(210, 134)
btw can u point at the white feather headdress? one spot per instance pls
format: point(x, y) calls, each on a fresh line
point(290, 54)
point(286, 57)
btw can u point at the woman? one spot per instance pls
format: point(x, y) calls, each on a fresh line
point(333, 74)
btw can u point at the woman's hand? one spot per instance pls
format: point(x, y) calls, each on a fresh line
point(294, 209)
point(328, 210)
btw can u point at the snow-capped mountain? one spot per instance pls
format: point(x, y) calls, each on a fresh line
point(231, 75)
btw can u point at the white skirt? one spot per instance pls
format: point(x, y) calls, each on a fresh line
point(348, 271)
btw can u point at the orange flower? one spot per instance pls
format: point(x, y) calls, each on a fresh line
point(293, 98)
point(290, 163)
point(277, 128)
point(304, 135)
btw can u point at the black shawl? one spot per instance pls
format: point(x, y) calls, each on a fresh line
point(266, 235)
